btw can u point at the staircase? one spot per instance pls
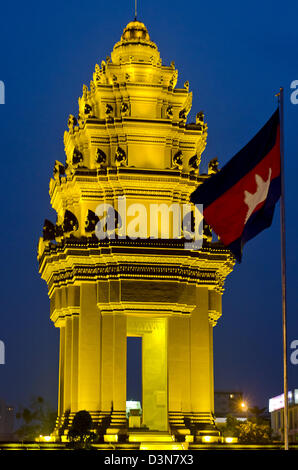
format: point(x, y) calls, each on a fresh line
point(177, 424)
point(117, 427)
point(203, 427)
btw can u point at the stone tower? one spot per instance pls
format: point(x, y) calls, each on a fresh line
point(131, 142)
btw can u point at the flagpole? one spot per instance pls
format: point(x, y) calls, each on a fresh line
point(283, 270)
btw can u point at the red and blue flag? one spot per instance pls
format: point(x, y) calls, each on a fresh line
point(239, 200)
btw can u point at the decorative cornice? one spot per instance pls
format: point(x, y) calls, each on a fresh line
point(59, 315)
point(88, 259)
point(213, 316)
point(139, 309)
point(135, 271)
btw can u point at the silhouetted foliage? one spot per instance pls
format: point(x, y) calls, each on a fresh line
point(257, 414)
point(248, 432)
point(80, 433)
point(253, 433)
point(37, 419)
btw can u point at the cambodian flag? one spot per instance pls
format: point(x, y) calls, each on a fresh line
point(239, 200)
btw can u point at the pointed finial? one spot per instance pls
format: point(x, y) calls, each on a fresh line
point(136, 11)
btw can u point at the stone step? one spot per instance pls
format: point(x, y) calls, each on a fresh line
point(118, 419)
point(182, 431)
point(164, 445)
point(150, 436)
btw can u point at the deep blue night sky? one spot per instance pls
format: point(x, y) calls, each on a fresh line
point(235, 55)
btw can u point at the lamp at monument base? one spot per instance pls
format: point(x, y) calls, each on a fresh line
point(111, 438)
point(230, 440)
point(42, 438)
point(208, 437)
point(150, 437)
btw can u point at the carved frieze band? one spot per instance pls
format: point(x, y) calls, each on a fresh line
point(133, 271)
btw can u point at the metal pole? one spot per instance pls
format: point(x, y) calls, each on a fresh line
point(136, 12)
point(283, 269)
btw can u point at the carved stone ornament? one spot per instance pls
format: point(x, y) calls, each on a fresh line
point(58, 232)
point(103, 66)
point(207, 233)
point(70, 222)
point(97, 73)
point(200, 121)
point(182, 115)
point(120, 157)
point(186, 85)
point(213, 166)
point(178, 160)
point(109, 223)
point(51, 231)
point(85, 92)
point(193, 162)
point(81, 122)
point(48, 232)
point(169, 112)
point(200, 117)
point(59, 170)
point(188, 225)
point(91, 221)
point(101, 157)
point(109, 111)
point(87, 109)
point(77, 157)
point(124, 109)
point(71, 122)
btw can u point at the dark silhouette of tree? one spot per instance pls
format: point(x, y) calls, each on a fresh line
point(80, 431)
point(257, 414)
point(36, 419)
point(231, 427)
point(248, 431)
point(253, 433)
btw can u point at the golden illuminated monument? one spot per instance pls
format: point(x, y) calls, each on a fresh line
point(131, 142)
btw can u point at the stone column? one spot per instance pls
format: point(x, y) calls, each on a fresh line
point(119, 365)
point(154, 352)
point(89, 349)
point(200, 354)
point(178, 363)
point(214, 312)
point(67, 363)
point(61, 371)
point(211, 368)
point(74, 363)
point(107, 362)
